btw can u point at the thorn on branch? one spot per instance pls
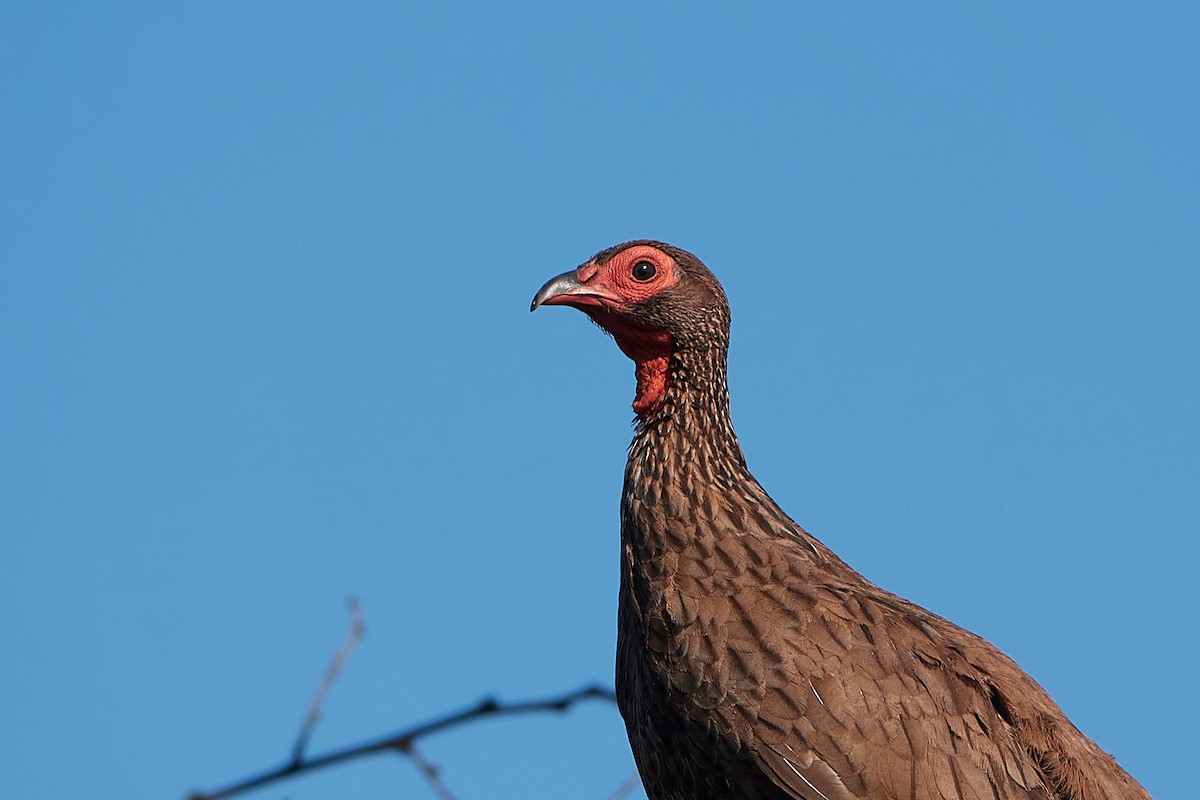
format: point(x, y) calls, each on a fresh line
point(430, 773)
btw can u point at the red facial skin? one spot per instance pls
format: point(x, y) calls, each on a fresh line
point(607, 293)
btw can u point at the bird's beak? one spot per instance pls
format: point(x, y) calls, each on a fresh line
point(572, 289)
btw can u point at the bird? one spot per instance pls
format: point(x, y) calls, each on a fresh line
point(752, 663)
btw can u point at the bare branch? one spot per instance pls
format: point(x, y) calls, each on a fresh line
point(340, 657)
point(402, 741)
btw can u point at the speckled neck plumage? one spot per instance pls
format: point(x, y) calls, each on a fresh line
point(692, 426)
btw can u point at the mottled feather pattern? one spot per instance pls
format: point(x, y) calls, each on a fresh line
point(745, 627)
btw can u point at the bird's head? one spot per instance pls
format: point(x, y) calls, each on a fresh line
point(656, 300)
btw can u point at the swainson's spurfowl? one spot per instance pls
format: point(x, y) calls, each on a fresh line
point(752, 662)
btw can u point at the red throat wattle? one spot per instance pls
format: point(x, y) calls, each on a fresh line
point(651, 352)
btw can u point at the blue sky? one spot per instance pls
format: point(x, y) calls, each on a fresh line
point(264, 280)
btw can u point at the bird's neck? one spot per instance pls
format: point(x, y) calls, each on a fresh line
point(690, 502)
point(689, 433)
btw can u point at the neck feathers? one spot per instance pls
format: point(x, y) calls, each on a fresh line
point(691, 429)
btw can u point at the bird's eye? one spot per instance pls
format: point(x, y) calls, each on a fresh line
point(644, 271)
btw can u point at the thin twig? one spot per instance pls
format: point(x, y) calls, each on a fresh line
point(430, 773)
point(340, 657)
point(402, 740)
point(626, 788)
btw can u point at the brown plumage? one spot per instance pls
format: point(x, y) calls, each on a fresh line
point(752, 662)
